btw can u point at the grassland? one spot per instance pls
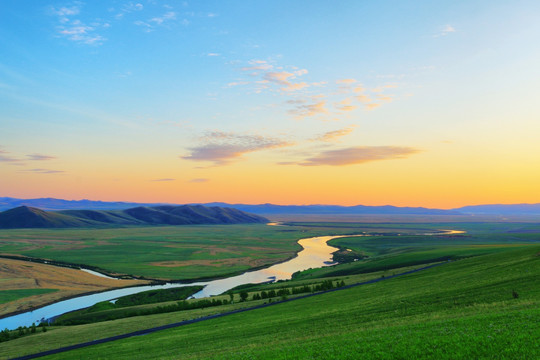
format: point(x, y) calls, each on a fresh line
point(190, 252)
point(482, 304)
point(390, 246)
point(27, 285)
point(173, 252)
point(480, 307)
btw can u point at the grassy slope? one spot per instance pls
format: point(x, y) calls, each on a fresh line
point(463, 309)
point(391, 251)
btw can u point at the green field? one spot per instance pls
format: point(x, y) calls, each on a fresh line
point(173, 252)
point(11, 295)
point(485, 303)
point(189, 252)
point(486, 306)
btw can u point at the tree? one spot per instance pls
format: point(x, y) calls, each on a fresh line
point(243, 295)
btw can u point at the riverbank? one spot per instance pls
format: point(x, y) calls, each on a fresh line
point(19, 276)
point(314, 253)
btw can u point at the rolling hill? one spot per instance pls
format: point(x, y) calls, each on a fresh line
point(29, 217)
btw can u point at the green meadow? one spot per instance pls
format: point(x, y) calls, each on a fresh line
point(11, 295)
point(172, 252)
point(484, 307)
point(482, 301)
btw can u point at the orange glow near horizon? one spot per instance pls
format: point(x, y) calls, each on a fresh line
point(435, 111)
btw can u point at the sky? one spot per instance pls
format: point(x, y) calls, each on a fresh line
point(405, 103)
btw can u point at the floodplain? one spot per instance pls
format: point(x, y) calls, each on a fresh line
point(482, 300)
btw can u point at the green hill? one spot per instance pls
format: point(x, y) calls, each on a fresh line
point(28, 217)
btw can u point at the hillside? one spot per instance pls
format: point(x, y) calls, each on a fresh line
point(28, 217)
point(482, 307)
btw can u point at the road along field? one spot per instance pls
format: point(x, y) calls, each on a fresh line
point(26, 285)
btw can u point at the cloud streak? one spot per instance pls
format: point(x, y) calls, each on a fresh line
point(40, 157)
point(8, 158)
point(446, 30)
point(284, 78)
point(333, 136)
point(221, 148)
point(163, 20)
point(43, 171)
point(358, 155)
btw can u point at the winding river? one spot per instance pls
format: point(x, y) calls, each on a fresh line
point(315, 253)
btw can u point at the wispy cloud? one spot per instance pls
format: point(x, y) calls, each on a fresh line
point(345, 105)
point(40, 157)
point(257, 65)
point(335, 135)
point(163, 180)
point(199, 180)
point(163, 20)
point(323, 100)
point(5, 158)
point(358, 155)
point(74, 29)
point(43, 171)
point(221, 148)
point(346, 81)
point(364, 99)
point(447, 29)
point(129, 8)
point(268, 74)
point(302, 110)
point(372, 106)
point(284, 78)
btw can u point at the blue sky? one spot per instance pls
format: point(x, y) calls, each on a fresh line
point(241, 101)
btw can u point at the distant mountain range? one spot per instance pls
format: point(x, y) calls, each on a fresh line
point(270, 209)
point(59, 204)
point(30, 217)
point(510, 209)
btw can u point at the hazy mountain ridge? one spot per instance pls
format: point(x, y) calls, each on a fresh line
point(29, 217)
point(7, 203)
point(267, 209)
point(502, 209)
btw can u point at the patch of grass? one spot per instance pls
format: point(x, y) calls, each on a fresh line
point(12, 295)
point(127, 306)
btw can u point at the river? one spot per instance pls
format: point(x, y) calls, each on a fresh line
point(315, 253)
